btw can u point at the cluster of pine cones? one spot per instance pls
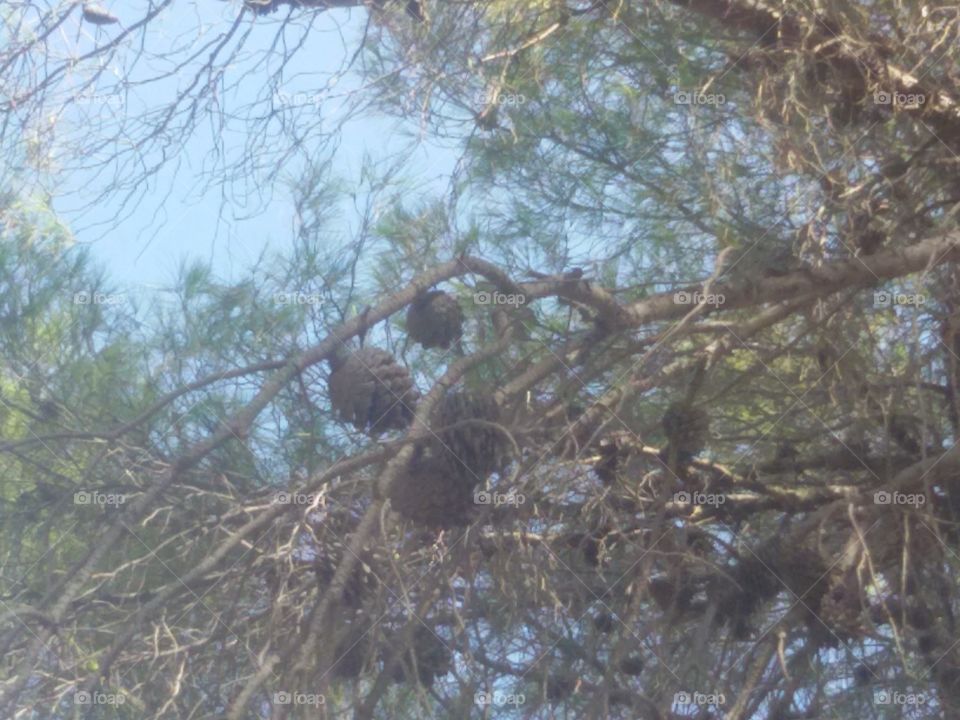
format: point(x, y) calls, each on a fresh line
point(373, 392)
point(828, 599)
point(436, 490)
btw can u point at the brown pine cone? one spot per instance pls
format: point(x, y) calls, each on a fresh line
point(471, 449)
point(435, 319)
point(370, 390)
point(430, 494)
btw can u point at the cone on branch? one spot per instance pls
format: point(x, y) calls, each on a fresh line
point(604, 623)
point(560, 686)
point(673, 595)
point(804, 572)
point(469, 445)
point(415, 10)
point(687, 429)
point(750, 584)
point(370, 390)
point(361, 582)
point(608, 459)
point(436, 489)
point(842, 609)
point(632, 665)
point(429, 654)
point(435, 319)
point(97, 15)
point(429, 493)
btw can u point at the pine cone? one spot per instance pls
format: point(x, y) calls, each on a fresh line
point(470, 449)
point(435, 319)
point(430, 494)
point(560, 686)
point(97, 15)
point(686, 429)
point(610, 452)
point(432, 657)
point(842, 609)
point(752, 583)
point(803, 571)
point(604, 623)
point(671, 595)
point(907, 432)
point(362, 580)
point(371, 391)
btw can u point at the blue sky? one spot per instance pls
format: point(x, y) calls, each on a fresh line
point(142, 244)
